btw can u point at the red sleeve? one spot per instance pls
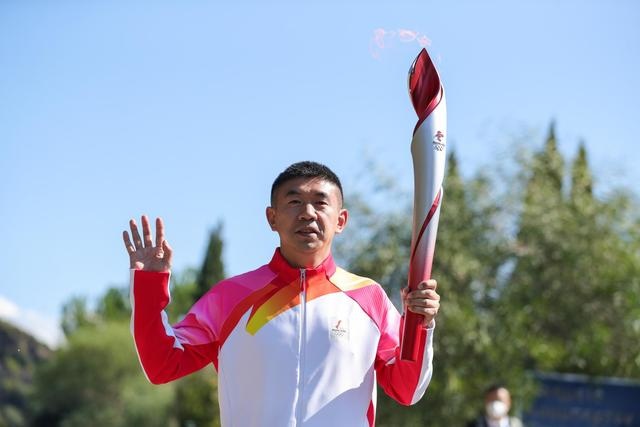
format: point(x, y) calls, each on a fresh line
point(168, 352)
point(403, 380)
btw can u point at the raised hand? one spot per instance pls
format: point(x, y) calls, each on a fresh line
point(143, 255)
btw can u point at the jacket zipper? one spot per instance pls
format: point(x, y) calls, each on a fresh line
point(301, 344)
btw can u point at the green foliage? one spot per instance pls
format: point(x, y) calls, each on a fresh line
point(19, 355)
point(183, 288)
point(11, 416)
point(75, 315)
point(114, 305)
point(575, 283)
point(197, 400)
point(212, 270)
point(96, 376)
point(581, 181)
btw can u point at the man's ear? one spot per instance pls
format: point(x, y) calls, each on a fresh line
point(343, 217)
point(271, 217)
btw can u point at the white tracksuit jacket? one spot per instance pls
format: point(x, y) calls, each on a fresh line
point(292, 347)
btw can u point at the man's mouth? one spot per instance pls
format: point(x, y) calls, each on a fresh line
point(307, 231)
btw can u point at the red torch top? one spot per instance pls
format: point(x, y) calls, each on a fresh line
point(425, 88)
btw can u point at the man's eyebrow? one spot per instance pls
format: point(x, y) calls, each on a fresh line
point(320, 194)
point(292, 193)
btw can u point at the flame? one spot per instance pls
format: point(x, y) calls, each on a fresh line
point(424, 41)
point(383, 39)
point(378, 37)
point(407, 35)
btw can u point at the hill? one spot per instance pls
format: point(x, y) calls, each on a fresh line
point(20, 353)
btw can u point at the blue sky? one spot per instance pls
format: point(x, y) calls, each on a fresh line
point(189, 109)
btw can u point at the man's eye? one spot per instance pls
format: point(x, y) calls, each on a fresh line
point(294, 202)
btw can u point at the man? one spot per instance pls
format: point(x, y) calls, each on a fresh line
point(298, 341)
point(497, 402)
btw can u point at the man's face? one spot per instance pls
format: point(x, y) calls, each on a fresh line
point(306, 214)
point(498, 403)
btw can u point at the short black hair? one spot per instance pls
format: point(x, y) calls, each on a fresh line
point(305, 169)
point(495, 387)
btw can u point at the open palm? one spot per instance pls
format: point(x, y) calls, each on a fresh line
point(143, 255)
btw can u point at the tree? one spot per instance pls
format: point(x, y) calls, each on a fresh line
point(183, 288)
point(212, 270)
point(197, 400)
point(568, 301)
point(581, 180)
point(96, 378)
point(114, 305)
point(20, 354)
point(75, 315)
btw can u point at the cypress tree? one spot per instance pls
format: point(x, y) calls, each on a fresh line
point(212, 270)
point(538, 280)
point(550, 164)
point(581, 180)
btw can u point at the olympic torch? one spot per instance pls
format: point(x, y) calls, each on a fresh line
point(428, 149)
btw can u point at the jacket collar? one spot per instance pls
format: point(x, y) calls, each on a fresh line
point(279, 265)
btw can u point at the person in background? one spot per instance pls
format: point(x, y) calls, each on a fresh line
point(497, 403)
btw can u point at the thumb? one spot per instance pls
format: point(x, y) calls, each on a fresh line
point(168, 252)
point(403, 295)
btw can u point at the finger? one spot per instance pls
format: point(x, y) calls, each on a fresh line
point(423, 302)
point(137, 241)
point(146, 232)
point(425, 311)
point(159, 232)
point(127, 243)
point(428, 284)
point(424, 294)
point(433, 295)
point(168, 253)
point(404, 292)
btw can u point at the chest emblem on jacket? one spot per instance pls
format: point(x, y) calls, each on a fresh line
point(338, 328)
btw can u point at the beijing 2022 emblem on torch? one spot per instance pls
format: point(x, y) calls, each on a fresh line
point(428, 149)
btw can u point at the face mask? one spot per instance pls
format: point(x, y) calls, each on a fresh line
point(496, 409)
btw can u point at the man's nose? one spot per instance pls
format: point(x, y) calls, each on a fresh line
point(307, 211)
